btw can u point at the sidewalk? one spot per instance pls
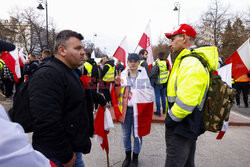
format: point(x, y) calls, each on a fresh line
point(235, 119)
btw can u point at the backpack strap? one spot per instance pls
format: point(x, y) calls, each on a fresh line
point(201, 59)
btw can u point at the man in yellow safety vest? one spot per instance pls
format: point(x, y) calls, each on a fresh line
point(108, 77)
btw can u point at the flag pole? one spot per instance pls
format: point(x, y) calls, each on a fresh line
point(136, 48)
point(107, 159)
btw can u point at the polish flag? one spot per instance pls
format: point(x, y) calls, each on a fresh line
point(121, 52)
point(169, 61)
point(12, 61)
point(240, 60)
point(143, 101)
point(223, 130)
point(225, 73)
point(117, 111)
point(22, 60)
point(103, 124)
point(93, 54)
point(146, 43)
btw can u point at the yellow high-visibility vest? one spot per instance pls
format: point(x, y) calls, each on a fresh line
point(110, 75)
point(88, 67)
point(163, 71)
point(120, 99)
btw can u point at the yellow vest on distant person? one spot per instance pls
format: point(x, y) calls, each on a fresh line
point(88, 67)
point(163, 71)
point(120, 99)
point(243, 78)
point(110, 75)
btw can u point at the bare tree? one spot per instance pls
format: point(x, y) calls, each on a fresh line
point(89, 47)
point(162, 46)
point(30, 32)
point(215, 18)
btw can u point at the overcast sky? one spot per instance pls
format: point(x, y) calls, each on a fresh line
point(111, 20)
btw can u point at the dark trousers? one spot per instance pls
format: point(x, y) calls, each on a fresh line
point(105, 86)
point(242, 86)
point(8, 87)
point(180, 151)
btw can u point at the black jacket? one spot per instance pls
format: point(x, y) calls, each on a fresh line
point(190, 127)
point(144, 64)
point(45, 60)
point(120, 67)
point(58, 103)
point(29, 69)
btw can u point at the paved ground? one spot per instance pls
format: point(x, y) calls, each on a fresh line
point(232, 151)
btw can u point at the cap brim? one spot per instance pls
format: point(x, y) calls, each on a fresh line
point(168, 35)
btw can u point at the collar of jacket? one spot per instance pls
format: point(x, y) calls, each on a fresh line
point(208, 53)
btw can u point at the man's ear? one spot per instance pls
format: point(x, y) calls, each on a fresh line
point(62, 50)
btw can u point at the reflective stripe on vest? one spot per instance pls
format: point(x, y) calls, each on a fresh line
point(88, 67)
point(182, 108)
point(243, 78)
point(164, 73)
point(141, 61)
point(120, 99)
point(1, 63)
point(233, 81)
point(110, 75)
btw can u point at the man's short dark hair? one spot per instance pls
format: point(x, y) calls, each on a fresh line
point(64, 36)
point(142, 51)
point(88, 54)
point(105, 56)
point(46, 52)
point(32, 55)
point(161, 55)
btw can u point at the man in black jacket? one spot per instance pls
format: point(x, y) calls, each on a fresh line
point(30, 66)
point(46, 56)
point(62, 122)
point(143, 59)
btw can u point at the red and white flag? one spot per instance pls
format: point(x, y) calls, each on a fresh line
point(103, 123)
point(169, 60)
point(240, 60)
point(225, 73)
point(121, 52)
point(146, 43)
point(143, 101)
point(11, 60)
point(223, 130)
point(93, 55)
point(22, 60)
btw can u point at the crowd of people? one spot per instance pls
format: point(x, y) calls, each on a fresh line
point(62, 106)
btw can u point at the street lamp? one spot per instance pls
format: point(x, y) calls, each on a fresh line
point(177, 7)
point(94, 36)
point(40, 7)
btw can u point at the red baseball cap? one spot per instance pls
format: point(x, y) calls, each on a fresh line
point(182, 29)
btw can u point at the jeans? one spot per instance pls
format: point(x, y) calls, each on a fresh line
point(78, 162)
point(160, 93)
point(126, 130)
